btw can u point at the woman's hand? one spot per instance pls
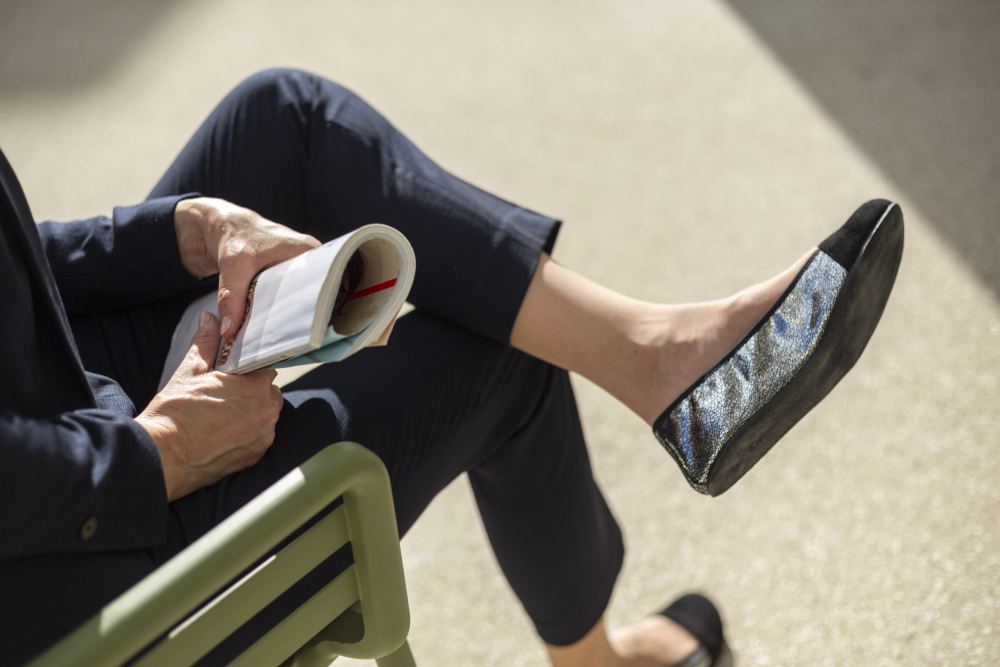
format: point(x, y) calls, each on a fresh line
point(208, 424)
point(216, 236)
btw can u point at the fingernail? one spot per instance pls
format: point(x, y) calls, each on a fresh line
point(205, 317)
point(226, 323)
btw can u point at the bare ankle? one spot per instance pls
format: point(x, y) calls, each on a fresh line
point(673, 341)
point(654, 337)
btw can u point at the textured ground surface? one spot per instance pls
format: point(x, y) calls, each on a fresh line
point(692, 147)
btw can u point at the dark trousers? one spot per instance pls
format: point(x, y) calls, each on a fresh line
point(447, 396)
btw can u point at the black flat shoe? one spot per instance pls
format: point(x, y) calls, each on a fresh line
point(696, 614)
point(727, 420)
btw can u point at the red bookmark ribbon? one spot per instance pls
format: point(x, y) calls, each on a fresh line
point(351, 296)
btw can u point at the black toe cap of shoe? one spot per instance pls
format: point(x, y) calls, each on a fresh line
point(845, 244)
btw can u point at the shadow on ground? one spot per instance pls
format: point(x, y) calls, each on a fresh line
point(60, 45)
point(916, 85)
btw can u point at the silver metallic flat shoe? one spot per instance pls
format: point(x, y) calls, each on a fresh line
point(727, 420)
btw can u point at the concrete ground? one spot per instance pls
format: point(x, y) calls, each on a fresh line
point(691, 147)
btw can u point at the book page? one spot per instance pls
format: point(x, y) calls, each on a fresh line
point(281, 311)
point(380, 263)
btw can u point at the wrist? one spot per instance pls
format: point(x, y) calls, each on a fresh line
point(192, 225)
point(164, 436)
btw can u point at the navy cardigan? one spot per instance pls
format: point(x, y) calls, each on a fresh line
point(77, 473)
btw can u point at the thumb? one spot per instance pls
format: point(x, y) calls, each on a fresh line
point(234, 283)
point(205, 344)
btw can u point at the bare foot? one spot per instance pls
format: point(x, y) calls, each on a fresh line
point(683, 342)
point(655, 641)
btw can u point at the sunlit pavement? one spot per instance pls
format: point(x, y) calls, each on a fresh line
point(691, 148)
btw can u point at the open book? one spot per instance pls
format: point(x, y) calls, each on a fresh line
point(323, 305)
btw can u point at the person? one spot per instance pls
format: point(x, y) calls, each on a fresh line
point(103, 477)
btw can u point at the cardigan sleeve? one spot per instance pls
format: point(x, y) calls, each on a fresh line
point(109, 263)
point(85, 480)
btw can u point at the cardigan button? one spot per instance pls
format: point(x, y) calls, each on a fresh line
point(89, 528)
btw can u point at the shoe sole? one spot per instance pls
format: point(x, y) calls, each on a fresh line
point(852, 320)
point(725, 658)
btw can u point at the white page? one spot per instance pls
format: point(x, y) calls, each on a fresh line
point(283, 308)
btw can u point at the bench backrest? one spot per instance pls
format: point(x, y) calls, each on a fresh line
point(176, 615)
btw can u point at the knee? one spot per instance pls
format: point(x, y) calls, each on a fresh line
point(280, 88)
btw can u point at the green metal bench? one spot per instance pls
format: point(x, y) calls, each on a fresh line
point(176, 615)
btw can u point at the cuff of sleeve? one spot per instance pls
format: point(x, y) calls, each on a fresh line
point(150, 226)
point(132, 510)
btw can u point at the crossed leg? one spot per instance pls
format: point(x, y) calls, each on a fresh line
point(307, 153)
